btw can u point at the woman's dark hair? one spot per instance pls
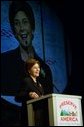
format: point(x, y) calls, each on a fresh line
point(16, 6)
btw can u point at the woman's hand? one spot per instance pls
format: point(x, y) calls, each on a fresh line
point(33, 95)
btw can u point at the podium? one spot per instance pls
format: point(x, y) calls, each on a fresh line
point(62, 110)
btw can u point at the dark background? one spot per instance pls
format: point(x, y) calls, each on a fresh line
point(71, 15)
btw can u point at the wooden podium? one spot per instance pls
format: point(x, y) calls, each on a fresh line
point(63, 110)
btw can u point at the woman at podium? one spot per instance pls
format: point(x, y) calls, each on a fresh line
point(31, 88)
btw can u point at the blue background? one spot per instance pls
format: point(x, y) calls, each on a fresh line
point(49, 45)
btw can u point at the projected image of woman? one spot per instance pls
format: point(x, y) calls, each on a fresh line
point(22, 22)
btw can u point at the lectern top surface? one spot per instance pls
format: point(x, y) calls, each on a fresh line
point(54, 95)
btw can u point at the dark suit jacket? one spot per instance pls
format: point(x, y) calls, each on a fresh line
point(28, 85)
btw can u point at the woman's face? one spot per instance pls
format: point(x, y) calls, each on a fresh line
point(35, 70)
point(23, 30)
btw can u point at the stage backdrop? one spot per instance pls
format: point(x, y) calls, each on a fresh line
point(49, 42)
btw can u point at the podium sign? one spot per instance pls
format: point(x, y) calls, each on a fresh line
point(67, 110)
point(63, 110)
